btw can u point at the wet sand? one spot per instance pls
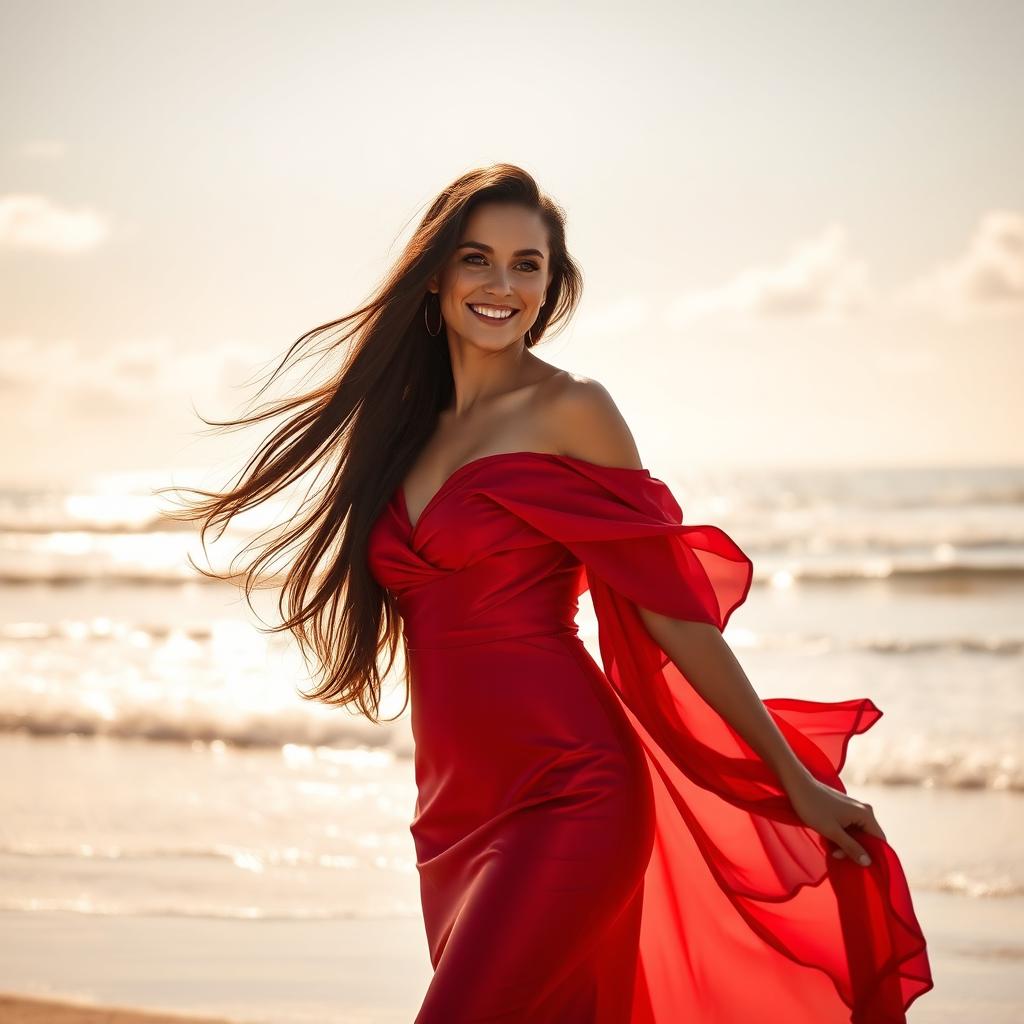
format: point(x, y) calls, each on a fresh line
point(23, 1010)
point(375, 972)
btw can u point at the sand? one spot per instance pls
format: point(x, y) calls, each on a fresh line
point(23, 1010)
point(375, 972)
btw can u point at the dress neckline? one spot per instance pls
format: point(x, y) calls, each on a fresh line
point(493, 456)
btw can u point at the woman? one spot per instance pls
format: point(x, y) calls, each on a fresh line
point(647, 842)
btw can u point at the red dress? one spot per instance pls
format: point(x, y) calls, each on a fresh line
point(600, 846)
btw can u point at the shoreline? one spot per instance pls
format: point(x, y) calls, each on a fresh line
point(26, 1009)
point(66, 968)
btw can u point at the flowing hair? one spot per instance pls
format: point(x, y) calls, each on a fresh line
point(358, 434)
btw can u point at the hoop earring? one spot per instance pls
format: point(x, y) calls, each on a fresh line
point(440, 319)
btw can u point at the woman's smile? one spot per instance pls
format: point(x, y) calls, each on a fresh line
point(492, 314)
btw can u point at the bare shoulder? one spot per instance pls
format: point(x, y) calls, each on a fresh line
point(583, 421)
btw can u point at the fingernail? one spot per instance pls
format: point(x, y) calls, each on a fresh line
point(864, 859)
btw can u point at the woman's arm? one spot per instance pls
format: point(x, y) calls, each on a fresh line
point(584, 420)
point(700, 652)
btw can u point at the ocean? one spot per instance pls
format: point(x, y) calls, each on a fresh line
point(159, 761)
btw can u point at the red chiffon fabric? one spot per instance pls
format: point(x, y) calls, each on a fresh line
point(601, 846)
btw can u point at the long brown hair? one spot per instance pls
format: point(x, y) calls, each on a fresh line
point(359, 434)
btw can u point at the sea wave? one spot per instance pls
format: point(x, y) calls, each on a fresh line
point(104, 630)
point(956, 764)
point(100, 908)
point(794, 573)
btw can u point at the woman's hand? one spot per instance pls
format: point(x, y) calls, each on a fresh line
point(831, 813)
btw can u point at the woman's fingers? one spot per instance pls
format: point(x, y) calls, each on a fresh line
point(847, 846)
point(850, 847)
point(835, 815)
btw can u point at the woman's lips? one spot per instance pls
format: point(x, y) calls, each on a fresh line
point(491, 319)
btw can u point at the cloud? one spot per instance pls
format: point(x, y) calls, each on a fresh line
point(987, 279)
point(819, 280)
point(29, 221)
point(65, 378)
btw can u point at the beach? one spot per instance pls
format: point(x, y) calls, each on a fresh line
point(345, 972)
point(182, 834)
point(23, 1010)
point(772, 258)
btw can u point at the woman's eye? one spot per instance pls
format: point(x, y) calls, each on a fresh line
point(525, 263)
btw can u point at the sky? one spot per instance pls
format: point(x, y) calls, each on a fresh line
point(801, 225)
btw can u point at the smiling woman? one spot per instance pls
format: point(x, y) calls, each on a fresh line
point(607, 843)
point(479, 281)
point(498, 311)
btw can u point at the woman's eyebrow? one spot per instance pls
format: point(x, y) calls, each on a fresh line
point(487, 248)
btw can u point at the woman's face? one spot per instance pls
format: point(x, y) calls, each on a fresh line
point(501, 263)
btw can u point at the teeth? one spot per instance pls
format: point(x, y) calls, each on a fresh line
point(491, 311)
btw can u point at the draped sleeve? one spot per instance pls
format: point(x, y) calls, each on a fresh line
point(740, 896)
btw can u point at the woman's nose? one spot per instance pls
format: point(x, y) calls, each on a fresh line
point(499, 283)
